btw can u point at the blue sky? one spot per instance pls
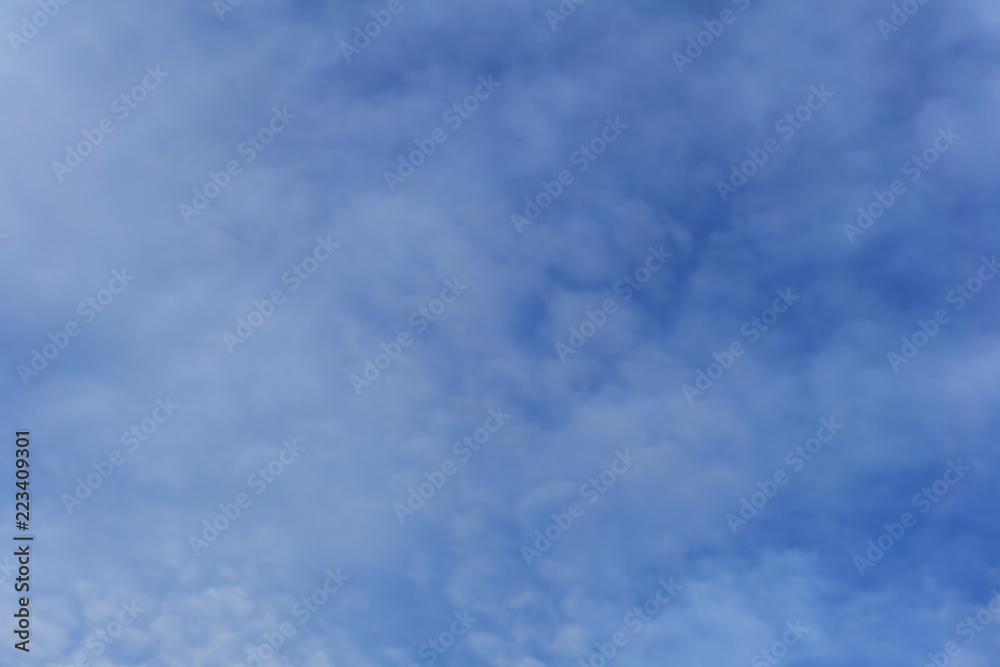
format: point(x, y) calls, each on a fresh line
point(407, 498)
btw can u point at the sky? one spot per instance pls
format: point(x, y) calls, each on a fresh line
point(404, 333)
